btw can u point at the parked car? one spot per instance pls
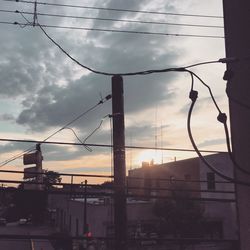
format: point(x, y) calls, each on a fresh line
point(22, 221)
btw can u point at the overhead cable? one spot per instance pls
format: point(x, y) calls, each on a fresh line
point(106, 145)
point(115, 19)
point(146, 72)
point(114, 30)
point(117, 10)
point(222, 117)
point(111, 176)
point(193, 96)
point(103, 100)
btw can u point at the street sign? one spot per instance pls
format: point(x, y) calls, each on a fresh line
point(30, 173)
point(29, 158)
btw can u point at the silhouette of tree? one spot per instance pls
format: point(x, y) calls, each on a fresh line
point(179, 216)
point(51, 178)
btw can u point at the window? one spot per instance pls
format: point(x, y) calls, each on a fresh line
point(210, 181)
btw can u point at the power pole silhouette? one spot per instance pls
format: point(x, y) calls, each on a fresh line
point(237, 38)
point(120, 213)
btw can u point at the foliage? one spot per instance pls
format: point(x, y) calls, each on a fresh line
point(51, 178)
point(30, 204)
point(179, 216)
point(107, 184)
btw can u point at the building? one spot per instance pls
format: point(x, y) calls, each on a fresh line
point(194, 178)
point(145, 185)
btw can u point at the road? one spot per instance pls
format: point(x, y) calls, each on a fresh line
point(15, 229)
point(15, 244)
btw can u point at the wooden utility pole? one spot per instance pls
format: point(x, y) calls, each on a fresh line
point(39, 166)
point(85, 224)
point(120, 213)
point(237, 39)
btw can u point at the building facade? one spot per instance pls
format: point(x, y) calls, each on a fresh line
point(187, 178)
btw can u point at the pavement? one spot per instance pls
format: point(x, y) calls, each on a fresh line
point(41, 245)
point(27, 244)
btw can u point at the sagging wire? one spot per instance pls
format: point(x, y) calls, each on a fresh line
point(27, 21)
point(102, 101)
point(193, 96)
point(222, 118)
point(98, 127)
point(77, 137)
point(144, 72)
point(31, 149)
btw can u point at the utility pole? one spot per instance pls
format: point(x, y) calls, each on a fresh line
point(39, 166)
point(237, 39)
point(85, 225)
point(120, 213)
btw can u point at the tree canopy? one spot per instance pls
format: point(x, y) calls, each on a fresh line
point(179, 216)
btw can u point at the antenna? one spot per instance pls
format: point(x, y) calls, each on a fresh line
point(131, 151)
point(156, 138)
point(161, 143)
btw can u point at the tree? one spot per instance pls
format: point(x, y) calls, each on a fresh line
point(32, 202)
point(179, 216)
point(51, 178)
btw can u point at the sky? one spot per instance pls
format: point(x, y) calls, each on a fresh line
point(42, 89)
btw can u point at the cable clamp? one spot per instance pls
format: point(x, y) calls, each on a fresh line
point(108, 97)
point(193, 94)
point(228, 59)
point(182, 69)
point(222, 117)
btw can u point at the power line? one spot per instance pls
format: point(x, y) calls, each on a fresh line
point(114, 19)
point(222, 117)
point(106, 145)
point(193, 96)
point(111, 176)
point(103, 100)
point(99, 187)
point(117, 10)
point(17, 156)
point(122, 74)
point(135, 196)
point(62, 174)
point(115, 30)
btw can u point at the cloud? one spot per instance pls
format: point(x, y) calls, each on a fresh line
point(202, 104)
point(85, 169)
point(53, 90)
point(13, 147)
point(6, 117)
point(214, 142)
point(54, 105)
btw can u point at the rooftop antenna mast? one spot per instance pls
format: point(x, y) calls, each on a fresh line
point(161, 143)
point(156, 137)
